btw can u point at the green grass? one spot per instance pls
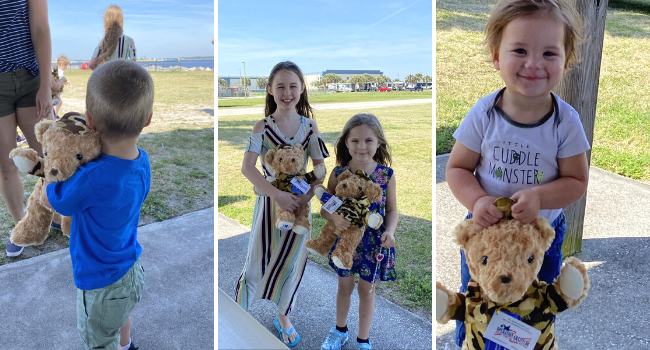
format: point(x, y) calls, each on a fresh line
point(408, 130)
point(321, 97)
point(180, 144)
point(463, 75)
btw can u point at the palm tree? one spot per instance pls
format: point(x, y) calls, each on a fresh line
point(418, 77)
point(410, 79)
point(261, 83)
point(330, 78)
point(223, 83)
point(426, 79)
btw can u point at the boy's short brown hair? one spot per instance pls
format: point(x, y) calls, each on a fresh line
point(507, 10)
point(62, 61)
point(119, 98)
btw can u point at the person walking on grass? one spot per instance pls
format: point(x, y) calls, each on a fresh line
point(115, 44)
point(25, 92)
point(276, 259)
point(362, 146)
point(104, 198)
point(523, 141)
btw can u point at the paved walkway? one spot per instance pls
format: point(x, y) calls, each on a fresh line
point(615, 248)
point(323, 106)
point(393, 327)
point(38, 296)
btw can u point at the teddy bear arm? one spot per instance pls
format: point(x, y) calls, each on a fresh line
point(27, 161)
point(573, 283)
point(449, 305)
point(373, 220)
point(318, 173)
point(321, 193)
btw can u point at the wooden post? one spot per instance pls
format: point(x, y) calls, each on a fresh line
point(579, 88)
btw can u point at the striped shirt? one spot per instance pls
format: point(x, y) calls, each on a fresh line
point(125, 49)
point(16, 48)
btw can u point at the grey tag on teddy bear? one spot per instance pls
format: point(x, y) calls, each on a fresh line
point(301, 185)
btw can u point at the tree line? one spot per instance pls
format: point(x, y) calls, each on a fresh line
point(359, 80)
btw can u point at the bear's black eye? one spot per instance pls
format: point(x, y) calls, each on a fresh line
point(360, 188)
point(531, 258)
point(280, 159)
point(79, 156)
point(45, 153)
point(484, 260)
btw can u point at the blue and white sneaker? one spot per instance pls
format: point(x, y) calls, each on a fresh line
point(13, 250)
point(364, 346)
point(335, 340)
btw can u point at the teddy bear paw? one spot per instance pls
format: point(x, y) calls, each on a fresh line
point(441, 303)
point(572, 282)
point(301, 230)
point(374, 220)
point(319, 191)
point(284, 225)
point(320, 171)
point(339, 263)
point(24, 164)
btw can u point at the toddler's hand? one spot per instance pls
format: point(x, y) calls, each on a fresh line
point(340, 222)
point(286, 201)
point(527, 207)
point(387, 240)
point(485, 213)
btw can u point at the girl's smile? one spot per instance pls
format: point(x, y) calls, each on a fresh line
point(362, 143)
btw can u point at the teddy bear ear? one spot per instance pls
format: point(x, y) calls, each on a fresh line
point(344, 175)
point(268, 159)
point(546, 232)
point(464, 231)
point(41, 127)
point(372, 191)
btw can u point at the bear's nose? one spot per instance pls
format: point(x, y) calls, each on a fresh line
point(506, 279)
point(54, 172)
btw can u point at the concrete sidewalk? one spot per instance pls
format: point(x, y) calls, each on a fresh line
point(615, 248)
point(324, 106)
point(38, 296)
point(393, 327)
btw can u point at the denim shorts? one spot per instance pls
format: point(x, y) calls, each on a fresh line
point(17, 90)
point(102, 312)
point(549, 271)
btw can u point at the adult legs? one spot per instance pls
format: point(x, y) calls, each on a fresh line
point(11, 186)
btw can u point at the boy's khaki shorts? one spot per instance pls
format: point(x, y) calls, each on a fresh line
point(102, 312)
point(17, 90)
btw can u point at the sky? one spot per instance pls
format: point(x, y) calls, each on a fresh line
point(394, 37)
point(159, 28)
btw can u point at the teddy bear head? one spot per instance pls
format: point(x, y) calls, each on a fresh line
point(354, 185)
point(286, 159)
point(67, 144)
point(505, 258)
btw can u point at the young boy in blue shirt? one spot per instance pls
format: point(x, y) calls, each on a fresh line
point(104, 198)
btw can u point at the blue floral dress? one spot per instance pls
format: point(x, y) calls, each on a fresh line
point(365, 256)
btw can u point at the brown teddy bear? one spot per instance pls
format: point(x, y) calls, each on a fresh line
point(504, 260)
point(287, 162)
point(355, 192)
point(67, 144)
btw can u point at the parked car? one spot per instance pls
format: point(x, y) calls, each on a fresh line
point(415, 88)
point(385, 88)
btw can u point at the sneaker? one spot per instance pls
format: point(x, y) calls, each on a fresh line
point(55, 226)
point(13, 250)
point(365, 346)
point(335, 340)
point(132, 347)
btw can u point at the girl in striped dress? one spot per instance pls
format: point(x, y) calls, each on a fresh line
point(276, 259)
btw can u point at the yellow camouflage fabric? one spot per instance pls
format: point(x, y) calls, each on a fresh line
point(283, 181)
point(537, 308)
point(355, 210)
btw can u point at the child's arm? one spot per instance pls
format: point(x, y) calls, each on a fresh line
point(340, 222)
point(465, 187)
point(285, 200)
point(388, 237)
point(568, 188)
point(57, 84)
point(44, 200)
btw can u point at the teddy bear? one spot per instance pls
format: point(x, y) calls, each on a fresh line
point(55, 93)
point(355, 193)
point(67, 144)
point(287, 161)
point(504, 260)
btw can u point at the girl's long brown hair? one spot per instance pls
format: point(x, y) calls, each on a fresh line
point(303, 108)
point(382, 156)
point(113, 23)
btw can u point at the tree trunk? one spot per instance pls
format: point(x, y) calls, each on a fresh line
point(579, 88)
